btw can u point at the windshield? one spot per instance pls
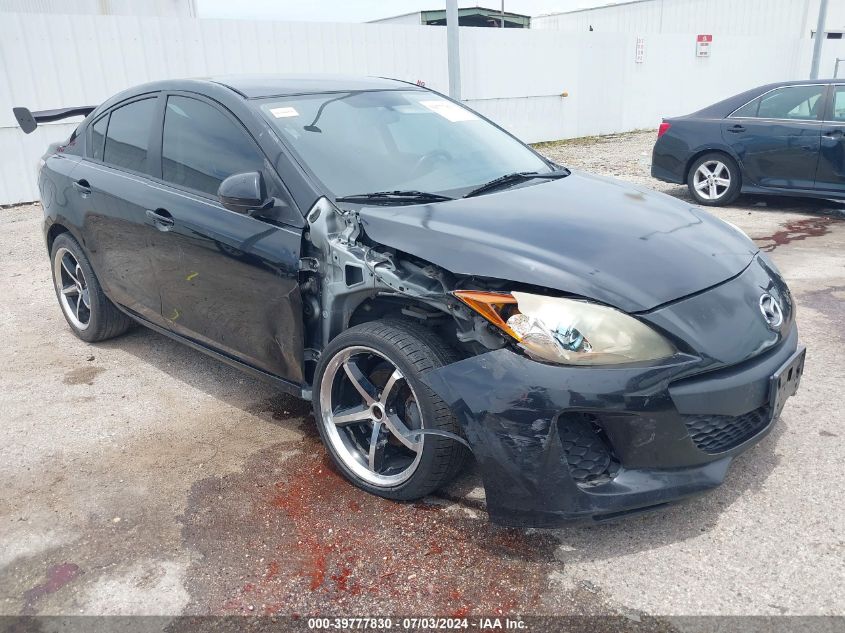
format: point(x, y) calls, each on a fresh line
point(390, 140)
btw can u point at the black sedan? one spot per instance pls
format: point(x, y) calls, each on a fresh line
point(784, 139)
point(434, 286)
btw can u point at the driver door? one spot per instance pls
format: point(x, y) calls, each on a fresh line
point(228, 280)
point(830, 175)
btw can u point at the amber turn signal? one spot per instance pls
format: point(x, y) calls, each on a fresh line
point(490, 305)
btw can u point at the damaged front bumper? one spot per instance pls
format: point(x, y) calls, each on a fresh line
point(556, 443)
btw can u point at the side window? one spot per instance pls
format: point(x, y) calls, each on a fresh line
point(201, 146)
point(749, 110)
point(98, 135)
point(791, 102)
point(839, 104)
point(129, 134)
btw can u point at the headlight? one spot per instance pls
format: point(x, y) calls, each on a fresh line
point(568, 331)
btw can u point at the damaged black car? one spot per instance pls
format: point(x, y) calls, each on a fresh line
point(434, 286)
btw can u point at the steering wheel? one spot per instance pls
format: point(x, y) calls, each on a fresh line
point(426, 162)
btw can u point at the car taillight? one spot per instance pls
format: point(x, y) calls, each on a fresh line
point(662, 129)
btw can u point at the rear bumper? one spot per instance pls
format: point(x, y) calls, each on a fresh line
point(555, 443)
point(668, 161)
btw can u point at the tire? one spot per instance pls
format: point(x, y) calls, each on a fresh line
point(707, 190)
point(376, 352)
point(95, 320)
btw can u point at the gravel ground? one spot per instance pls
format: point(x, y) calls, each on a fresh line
point(141, 477)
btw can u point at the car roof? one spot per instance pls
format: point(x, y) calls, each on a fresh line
point(257, 86)
point(723, 108)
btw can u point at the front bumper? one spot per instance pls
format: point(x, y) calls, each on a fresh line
point(557, 443)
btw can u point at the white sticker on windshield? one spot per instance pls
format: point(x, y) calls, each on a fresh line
point(448, 110)
point(282, 113)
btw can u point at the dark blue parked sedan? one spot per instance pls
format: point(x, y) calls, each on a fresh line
point(784, 138)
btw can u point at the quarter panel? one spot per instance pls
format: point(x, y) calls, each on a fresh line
point(685, 140)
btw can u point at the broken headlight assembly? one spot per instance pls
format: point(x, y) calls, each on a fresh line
point(568, 331)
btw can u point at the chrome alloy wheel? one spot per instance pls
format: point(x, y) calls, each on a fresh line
point(72, 289)
point(369, 412)
point(712, 179)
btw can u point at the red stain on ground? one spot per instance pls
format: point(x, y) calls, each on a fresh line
point(57, 577)
point(796, 231)
point(310, 543)
point(272, 571)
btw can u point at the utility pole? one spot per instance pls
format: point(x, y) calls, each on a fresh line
point(819, 42)
point(453, 49)
point(503, 13)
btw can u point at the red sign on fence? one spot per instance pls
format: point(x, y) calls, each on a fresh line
point(702, 45)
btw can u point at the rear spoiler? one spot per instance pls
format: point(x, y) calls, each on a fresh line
point(30, 120)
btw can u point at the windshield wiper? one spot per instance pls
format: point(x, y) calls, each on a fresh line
point(511, 179)
point(391, 197)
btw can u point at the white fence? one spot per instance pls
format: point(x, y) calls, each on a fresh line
point(514, 76)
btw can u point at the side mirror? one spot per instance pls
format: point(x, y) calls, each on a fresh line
point(243, 193)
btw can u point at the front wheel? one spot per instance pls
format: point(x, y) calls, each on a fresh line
point(369, 399)
point(714, 180)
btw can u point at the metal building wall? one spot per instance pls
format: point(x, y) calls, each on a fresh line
point(776, 18)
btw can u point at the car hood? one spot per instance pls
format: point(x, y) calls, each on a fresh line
point(583, 234)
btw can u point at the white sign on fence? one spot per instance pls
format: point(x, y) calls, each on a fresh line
point(639, 55)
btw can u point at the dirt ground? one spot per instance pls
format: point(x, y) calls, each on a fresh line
point(140, 477)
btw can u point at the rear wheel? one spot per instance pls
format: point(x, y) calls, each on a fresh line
point(369, 398)
point(90, 314)
point(714, 179)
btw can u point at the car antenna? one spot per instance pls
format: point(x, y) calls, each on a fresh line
point(312, 127)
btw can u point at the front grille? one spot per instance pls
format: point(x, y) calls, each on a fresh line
point(719, 433)
point(588, 456)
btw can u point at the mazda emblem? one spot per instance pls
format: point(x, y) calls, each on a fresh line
point(771, 310)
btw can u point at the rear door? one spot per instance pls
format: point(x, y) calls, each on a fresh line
point(228, 280)
point(777, 136)
point(112, 185)
point(830, 175)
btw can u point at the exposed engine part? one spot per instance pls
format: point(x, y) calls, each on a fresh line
point(354, 272)
point(476, 329)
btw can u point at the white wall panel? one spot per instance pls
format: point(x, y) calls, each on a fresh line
point(514, 76)
point(776, 18)
point(171, 8)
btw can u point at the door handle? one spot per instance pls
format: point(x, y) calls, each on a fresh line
point(82, 187)
point(161, 219)
point(736, 129)
point(834, 134)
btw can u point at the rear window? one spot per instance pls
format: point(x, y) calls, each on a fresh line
point(790, 102)
point(98, 135)
point(748, 110)
point(128, 135)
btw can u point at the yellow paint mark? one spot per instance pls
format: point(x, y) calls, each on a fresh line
point(176, 314)
point(191, 276)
